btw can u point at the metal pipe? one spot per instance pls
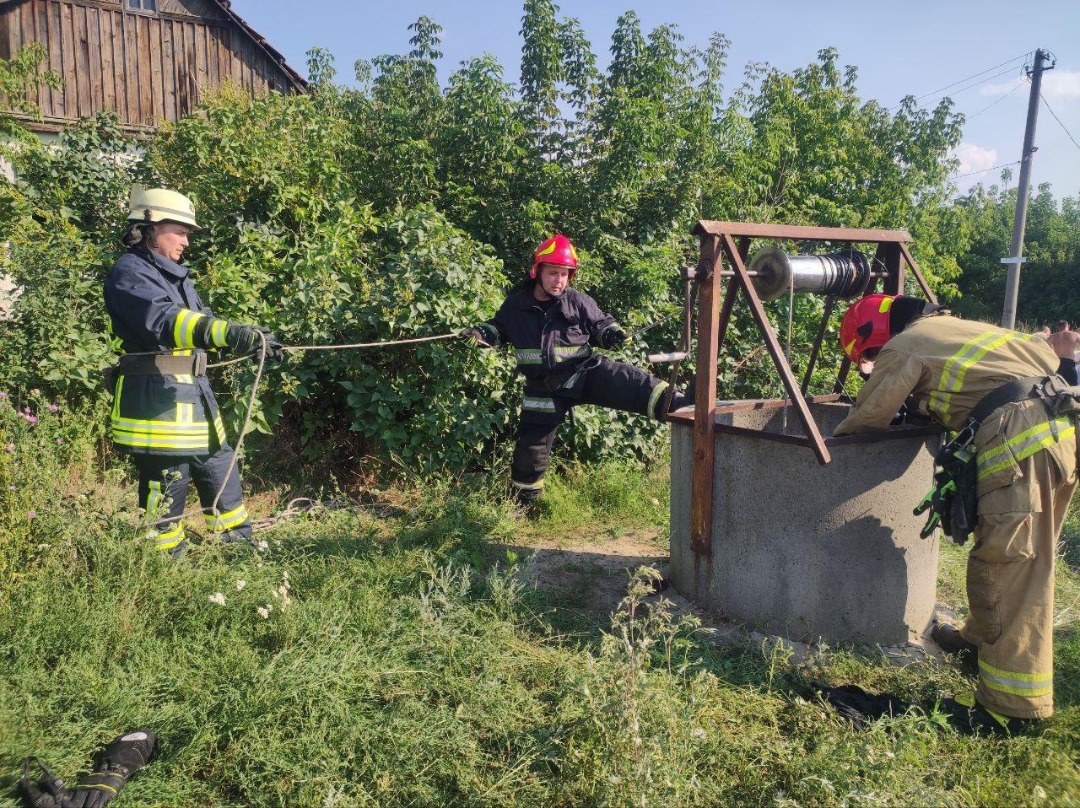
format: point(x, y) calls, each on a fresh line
point(671, 356)
point(845, 274)
point(728, 273)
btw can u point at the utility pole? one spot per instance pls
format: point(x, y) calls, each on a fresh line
point(1016, 252)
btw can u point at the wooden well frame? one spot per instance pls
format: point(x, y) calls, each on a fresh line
point(728, 244)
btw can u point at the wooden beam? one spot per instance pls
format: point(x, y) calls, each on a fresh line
point(797, 232)
point(701, 472)
point(918, 274)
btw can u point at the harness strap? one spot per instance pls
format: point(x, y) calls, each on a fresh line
point(163, 365)
point(1008, 393)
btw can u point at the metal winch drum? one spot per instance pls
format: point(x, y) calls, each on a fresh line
point(845, 275)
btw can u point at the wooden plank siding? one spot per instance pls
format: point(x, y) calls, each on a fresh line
point(145, 67)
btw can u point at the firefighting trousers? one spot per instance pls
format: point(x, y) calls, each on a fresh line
point(163, 489)
point(615, 385)
point(1010, 587)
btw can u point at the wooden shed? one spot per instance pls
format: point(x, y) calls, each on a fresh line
point(148, 61)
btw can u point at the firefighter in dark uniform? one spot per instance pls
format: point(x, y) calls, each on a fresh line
point(554, 329)
point(164, 413)
point(1025, 475)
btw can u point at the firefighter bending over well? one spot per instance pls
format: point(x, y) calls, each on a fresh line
point(554, 329)
point(1024, 469)
point(164, 413)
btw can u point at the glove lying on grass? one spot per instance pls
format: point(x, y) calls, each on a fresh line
point(115, 764)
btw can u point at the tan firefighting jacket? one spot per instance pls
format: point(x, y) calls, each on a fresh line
point(947, 365)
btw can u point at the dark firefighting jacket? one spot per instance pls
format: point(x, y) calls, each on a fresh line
point(552, 345)
point(154, 308)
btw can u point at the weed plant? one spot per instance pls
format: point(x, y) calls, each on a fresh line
point(44, 451)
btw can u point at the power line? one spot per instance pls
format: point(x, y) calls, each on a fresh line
point(972, 86)
point(998, 100)
point(982, 171)
point(976, 75)
point(1056, 118)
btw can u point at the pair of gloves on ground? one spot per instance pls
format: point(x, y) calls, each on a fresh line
point(116, 763)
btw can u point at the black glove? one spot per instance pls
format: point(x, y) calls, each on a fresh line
point(475, 334)
point(94, 790)
point(46, 792)
point(117, 762)
point(612, 337)
point(275, 351)
point(247, 339)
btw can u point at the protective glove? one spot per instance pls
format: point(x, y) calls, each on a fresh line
point(94, 790)
point(937, 500)
point(476, 335)
point(275, 351)
point(247, 339)
point(612, 337)
point(117, 762)
point(46, 792)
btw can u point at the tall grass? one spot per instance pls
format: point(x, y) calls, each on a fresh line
point(392, 657)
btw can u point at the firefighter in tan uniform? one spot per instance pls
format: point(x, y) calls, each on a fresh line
point(1026, 474)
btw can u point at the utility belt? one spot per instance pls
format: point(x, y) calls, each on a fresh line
point(953, 501)
point(155, 365)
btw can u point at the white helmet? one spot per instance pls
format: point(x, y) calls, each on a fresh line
point(161, 205)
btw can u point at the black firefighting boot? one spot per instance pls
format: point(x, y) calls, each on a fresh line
point(678, 400)
point(951, 641)
point(527, 503)
point(968, 717)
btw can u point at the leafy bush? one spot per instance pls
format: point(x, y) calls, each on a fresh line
point(400, 209)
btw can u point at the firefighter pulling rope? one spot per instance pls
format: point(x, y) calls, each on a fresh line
point(166, 417)
point(264, 351)
point(164, 412)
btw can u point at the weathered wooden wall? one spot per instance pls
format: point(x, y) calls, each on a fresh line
point(146, 67)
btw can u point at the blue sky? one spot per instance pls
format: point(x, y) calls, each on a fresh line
point(975, 48)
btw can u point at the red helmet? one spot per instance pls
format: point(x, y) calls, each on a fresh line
point(866, 325)
point(556, 250)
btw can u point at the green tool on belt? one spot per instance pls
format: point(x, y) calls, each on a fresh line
point(952, 501)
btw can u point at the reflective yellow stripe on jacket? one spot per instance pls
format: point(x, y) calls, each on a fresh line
point(1025, 445)
point(184, 328)
point(952, 375)
point(183, 434)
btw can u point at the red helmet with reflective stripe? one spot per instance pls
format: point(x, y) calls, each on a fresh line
point(866, 325)
point(556, 250)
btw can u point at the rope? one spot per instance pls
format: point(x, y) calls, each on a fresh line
point(329, 348)
point(261, 353)
point(366, 344)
